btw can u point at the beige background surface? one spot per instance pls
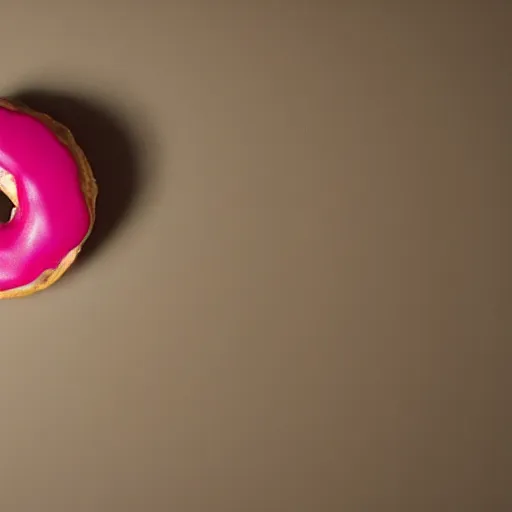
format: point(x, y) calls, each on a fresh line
point(299, 295)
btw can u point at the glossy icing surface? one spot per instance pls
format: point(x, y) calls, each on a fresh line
point(52, 217)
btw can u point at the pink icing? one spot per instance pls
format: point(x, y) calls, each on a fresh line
point(52, 217)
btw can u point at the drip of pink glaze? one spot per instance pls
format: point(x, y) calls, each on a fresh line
point(52, 217)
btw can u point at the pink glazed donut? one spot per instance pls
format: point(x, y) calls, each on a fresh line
point(50, 183)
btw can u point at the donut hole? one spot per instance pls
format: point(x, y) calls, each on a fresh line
point(6, 208)
point(8, 196)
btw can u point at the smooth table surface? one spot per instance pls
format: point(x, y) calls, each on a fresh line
point(299, 294)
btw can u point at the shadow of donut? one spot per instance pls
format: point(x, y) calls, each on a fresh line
point(112, 151)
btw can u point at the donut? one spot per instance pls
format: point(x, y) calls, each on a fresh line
point(49, 181)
